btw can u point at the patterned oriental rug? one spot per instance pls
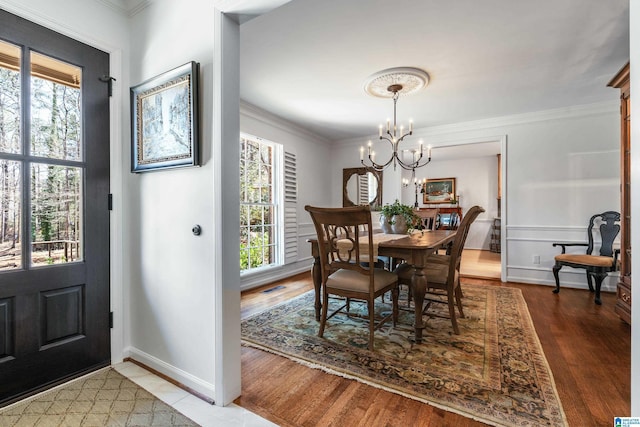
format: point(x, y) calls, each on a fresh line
point(494, 371)
point(105, 398)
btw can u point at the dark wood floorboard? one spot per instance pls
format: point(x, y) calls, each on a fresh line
point(587, 346)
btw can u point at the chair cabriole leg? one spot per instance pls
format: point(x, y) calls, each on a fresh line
point(556, 269)
point(599, 276)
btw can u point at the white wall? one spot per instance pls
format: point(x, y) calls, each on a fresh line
point(562, 167)
point(312, 154)
point(169, 271)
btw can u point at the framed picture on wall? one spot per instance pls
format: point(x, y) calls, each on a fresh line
point(440, 190)
point(164, 120)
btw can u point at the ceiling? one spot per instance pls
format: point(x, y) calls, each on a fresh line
point(307, 61)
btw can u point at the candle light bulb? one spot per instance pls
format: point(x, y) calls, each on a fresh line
point(361, 153)
point(410, 126)
point(380, 129)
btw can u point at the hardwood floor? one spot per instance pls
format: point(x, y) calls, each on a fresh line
point(587, 346)
point(480, 264)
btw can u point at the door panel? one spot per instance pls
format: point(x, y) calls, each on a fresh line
point(54, 219)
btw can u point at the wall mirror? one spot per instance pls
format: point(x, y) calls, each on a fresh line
point(362, 186)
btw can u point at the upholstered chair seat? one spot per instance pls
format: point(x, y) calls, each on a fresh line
point(353, 281)
point(593, 260)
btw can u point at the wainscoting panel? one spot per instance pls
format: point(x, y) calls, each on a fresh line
point(531, 256)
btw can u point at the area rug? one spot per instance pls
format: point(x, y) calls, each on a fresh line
point(494, 371)
point(105, 398)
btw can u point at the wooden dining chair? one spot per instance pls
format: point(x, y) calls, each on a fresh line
point(607, 224)
point(346, 252)
point(429, 218)
point(443, 272)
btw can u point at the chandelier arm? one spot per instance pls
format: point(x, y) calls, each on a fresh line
point(424, 164)
point(404, 165)
point(408, 166)
point(414, 165)
point(380, 165)
point(377, 166)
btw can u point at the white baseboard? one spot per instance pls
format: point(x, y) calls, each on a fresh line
point(274, 274)
point(568, 279)
point(182, 377)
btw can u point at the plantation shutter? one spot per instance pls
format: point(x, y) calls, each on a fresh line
point(363, 189)
point(290, 208)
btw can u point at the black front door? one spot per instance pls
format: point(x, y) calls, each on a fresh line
point(54, 218)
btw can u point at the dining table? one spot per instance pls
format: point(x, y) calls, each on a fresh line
point(414, 248)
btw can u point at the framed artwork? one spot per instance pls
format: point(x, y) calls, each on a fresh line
point(164, 120)
point(440, 190)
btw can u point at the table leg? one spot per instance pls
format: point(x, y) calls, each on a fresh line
point(419, 287)
point(316, 274)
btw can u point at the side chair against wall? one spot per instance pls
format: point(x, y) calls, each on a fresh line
point(342, 234)
point(443, 271)
point(597, 266)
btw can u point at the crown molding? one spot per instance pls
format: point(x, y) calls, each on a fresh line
point(271, 119)
point(576, 111)
point(126, 7)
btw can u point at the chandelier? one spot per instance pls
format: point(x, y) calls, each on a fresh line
point(391, 83)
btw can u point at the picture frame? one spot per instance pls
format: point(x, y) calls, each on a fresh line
point(165, 120)
point(439, 190)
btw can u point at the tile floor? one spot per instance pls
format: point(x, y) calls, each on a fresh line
point(198, 410)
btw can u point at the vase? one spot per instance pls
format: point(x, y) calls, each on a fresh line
point(384, 224)
point(399, 225)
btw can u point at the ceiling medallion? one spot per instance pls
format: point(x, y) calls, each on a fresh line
point(409, 78)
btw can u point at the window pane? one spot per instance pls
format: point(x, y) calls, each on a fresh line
point(244, 215)
point(253, 150)
point(265, 155)
point(265, 193)
point(257, 213)
point(268, 215)
point(10, 211)
point(56, 214)
point(10, 98)
point(55, 109)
